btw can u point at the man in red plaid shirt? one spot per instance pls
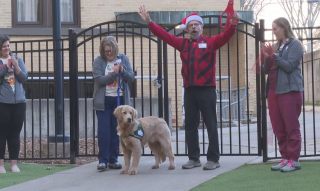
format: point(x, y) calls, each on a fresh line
point(198, 55)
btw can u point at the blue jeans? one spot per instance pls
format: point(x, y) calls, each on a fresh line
point(108, 140)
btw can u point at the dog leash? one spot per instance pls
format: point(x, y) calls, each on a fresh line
point(230, 11)
point(119, 82)
point(119, 87)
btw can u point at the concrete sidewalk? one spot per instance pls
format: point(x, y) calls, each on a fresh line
point(86, 177)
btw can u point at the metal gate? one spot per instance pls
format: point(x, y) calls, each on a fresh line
point(243, 124)
point(237, 136)
point(147, 92)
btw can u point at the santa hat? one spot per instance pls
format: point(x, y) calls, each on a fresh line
point(191, 17)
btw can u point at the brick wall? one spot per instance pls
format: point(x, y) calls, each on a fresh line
point(5, 14)
point(97, 11)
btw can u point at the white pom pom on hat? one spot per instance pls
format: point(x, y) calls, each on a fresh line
point(191, 17)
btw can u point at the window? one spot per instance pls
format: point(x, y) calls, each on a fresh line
point(38, 13)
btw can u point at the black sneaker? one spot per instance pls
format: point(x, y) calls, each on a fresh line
point(115, 166)
point(101, 166)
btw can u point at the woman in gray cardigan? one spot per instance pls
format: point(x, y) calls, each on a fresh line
point(13, 74)
point(284, 90)
point(106, 68)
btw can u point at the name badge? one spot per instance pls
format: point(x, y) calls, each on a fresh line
point(202, 45)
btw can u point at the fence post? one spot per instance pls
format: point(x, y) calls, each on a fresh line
point(160, 97)
point(263, 100)
point(60, 136)
point(74, 101)
point(257, 34)
point(165, 85)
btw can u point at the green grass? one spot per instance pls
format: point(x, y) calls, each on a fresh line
point(28, 172)
point(310, 103)
point(260, 177)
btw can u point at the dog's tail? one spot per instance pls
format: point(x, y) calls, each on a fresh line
point(164, 154)
point(158, 147)
point(163, 157)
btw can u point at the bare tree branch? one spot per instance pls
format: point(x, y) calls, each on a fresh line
point(254, 5)
point(301, 14)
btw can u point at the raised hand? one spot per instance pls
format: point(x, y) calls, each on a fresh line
point(117, 68)
point(14, 62)
point(144, 14)
point(235, 18)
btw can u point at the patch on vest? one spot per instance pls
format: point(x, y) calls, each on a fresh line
point(139, 132)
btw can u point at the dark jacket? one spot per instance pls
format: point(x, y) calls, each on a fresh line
point(288, 67)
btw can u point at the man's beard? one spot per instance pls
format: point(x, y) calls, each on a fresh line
point(195, 34)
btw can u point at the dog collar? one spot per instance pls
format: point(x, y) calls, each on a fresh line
point(139, 132)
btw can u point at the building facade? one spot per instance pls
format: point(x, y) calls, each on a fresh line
point(32, 20)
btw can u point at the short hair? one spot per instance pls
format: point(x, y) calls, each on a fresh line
point(109, 41)
point(3, 39)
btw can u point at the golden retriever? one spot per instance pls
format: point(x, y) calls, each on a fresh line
point(156, 134)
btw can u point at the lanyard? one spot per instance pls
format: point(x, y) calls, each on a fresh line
point(119, 87)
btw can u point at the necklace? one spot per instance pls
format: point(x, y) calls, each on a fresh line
point(198, 39)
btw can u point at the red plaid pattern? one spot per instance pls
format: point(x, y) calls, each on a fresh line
point(198, 64)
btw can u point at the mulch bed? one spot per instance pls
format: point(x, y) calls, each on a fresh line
point(85, 148)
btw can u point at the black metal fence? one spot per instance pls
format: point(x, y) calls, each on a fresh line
point(158, 90)
point(39, 121)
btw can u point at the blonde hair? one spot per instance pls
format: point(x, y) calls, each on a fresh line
point(284, 24)
point(109, 41)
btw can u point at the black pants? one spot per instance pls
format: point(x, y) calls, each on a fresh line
point(11, 121)
point(202, 99)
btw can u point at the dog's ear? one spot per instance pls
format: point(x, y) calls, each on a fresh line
point(134, 113)
point(117, 111)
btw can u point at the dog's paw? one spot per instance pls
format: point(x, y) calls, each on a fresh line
point(171, 167)
point(155, 167)
point(133, 172)
point(123, 172)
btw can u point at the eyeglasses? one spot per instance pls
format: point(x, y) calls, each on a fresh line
point(108, 51)
point(194, 24)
